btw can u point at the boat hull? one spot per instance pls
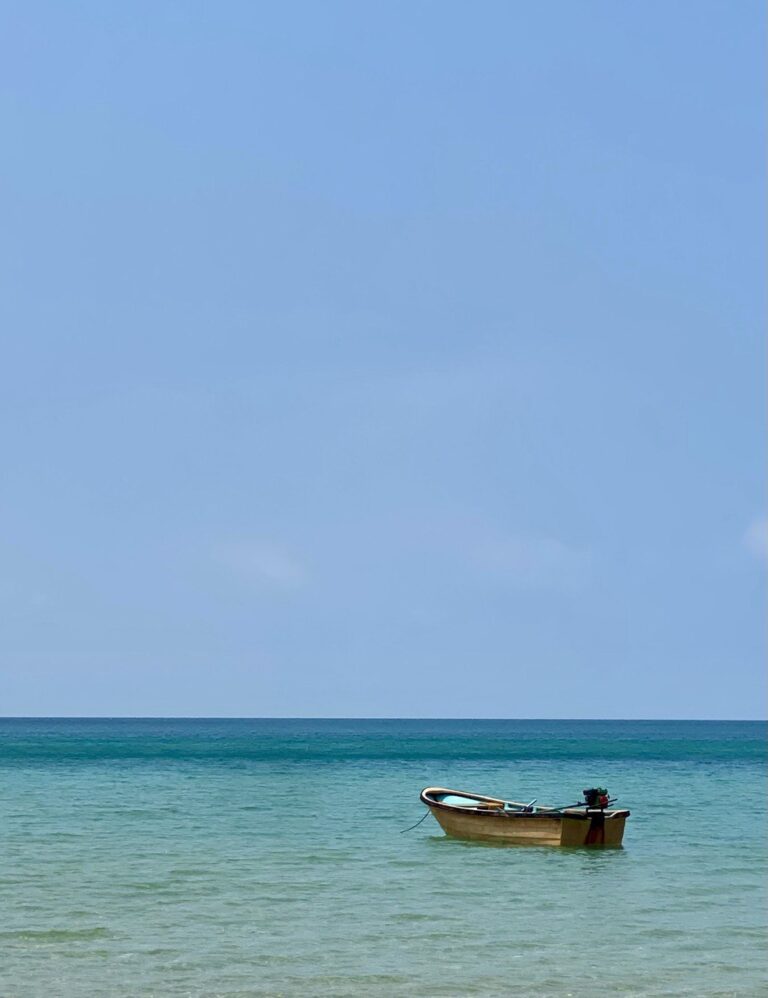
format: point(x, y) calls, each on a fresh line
point(558, 828)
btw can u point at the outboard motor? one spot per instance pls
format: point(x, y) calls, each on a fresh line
point(596, 797)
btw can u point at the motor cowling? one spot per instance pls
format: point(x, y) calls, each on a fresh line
point(596, 797)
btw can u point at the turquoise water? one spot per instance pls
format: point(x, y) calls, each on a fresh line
point(261, 857)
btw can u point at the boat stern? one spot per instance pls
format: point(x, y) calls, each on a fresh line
point(593, 828)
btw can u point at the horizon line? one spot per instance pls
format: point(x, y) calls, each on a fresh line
point(350, 717)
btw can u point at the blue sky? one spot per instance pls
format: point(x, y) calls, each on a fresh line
point(382, 359)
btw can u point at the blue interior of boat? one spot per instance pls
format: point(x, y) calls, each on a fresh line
point(458, 801)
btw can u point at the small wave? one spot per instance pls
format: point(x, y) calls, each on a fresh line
point(150, 885)
point(56, 935)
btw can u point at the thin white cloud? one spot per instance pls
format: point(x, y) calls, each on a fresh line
point(756, 538)
point(533, 562)
point(263, 563)
point(521, 559)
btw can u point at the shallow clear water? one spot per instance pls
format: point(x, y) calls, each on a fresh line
point(262, 857)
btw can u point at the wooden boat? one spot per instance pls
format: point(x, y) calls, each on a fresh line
point(490, 819)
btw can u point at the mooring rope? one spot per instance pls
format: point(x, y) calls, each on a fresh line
point(402, 830)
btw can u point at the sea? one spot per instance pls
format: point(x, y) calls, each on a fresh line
point(245, 857)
